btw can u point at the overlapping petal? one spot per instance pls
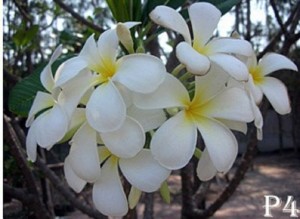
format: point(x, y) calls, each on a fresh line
point(255, 91)
point(46, 76)
point(74, 90)
point(231, 104)
point(205, 168)
point(108, 194)
point(174, 142)
point(220, 143)
point(171, 93)
point(231, 65)
point(195, 62)
point(170, 18)
point(69, 69)
point(277, 94)
point(235, 125)
point(41, 101)
point(83, 156)
point(273, 62)
point(75, 182)
point(149, 119)
point(231, 45)
point(140, 72)
point(143, 172)
point(204, 18)
point(52, 125)
point(126, 141)
point(106, 110)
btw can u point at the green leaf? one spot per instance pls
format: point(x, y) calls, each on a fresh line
point(165, 192)
point(223, 5)
point(23, 93)
point(22, 37)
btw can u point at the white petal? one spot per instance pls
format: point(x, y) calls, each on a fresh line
point(46, 75)
point(235, 125)
point(220, 143)
point(106, 109)
point(143, 172)
point(230, 45)
point(209, 85)
point(204, 18)
point(272, 62)
point(174, 142)
point(195, 62)
point(108, 43)
point(41, 101)
point(108, 194)
point(255, 90)
point(69, 69)
point(127, 94)
point(149, 119)
point(171, 93)
point(76, 183)
point(74, 90)
point(234, 67)
point(31, 144)
point(231, 104)
point(91, 54)
point(205, 168)
point(277, 94)
point(140, 72)
point(170, 18)
point(83, 156)
point(126, 141)
point(52, 125)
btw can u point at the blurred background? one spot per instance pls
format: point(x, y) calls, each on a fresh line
point(32, 29)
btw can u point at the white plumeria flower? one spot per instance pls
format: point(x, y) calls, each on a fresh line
point(106, 110)
point(125, 142)
point(141, 171)
point(174, 142)
point(261, 83)
point(51, 125)
point(201, 52)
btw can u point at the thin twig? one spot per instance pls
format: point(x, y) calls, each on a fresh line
point(79, 17)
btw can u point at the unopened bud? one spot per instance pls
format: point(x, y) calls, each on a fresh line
point(125, 38)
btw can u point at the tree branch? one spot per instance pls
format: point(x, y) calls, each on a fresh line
point(78, 16)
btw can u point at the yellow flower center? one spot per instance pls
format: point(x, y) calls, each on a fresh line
point(106, 70)
point(193, 109)
point(202, 49)
point(257, 75)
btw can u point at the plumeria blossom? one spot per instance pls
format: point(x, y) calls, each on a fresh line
point(200, 53)
point(51, 125)
point(173, 144)
point(260, 82)
point(141, 171)
point(85, 140)
point(105, 109)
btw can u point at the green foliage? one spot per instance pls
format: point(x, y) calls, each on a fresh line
point(223, 5)
point(24, 36)
point(22, 94)
point(125, 10)
point(165, 192)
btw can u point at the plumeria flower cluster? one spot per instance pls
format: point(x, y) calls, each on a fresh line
point(104, 102)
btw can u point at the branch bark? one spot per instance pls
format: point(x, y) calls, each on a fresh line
point(79, 17)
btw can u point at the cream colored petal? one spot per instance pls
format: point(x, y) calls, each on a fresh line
point(173, 144)
point(204, 18)
point(194, 62)
point(205, 168)
point(171, 19)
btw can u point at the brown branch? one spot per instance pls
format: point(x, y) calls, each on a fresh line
point(278, 18)
point(16, 148)
point(19, 141)
point(18, 193)
point(294, 16)
point(79, 17)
